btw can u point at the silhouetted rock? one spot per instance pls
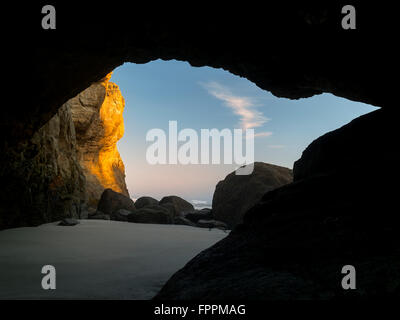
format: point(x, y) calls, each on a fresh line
point(176, 204)
point(145, 201)
point(184, 221)
point(236, 194)
point(121, 215)
point(294, 243)
point(196, 215)
point(68, 222)
point(350, 148)
point(98, 215)
point(151, 214)
point(86, 211)
point(112, 201)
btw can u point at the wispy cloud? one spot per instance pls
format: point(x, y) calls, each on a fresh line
point(242, 106)
point(259, 135)
point(263, 134)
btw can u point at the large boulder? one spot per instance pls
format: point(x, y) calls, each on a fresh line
point(350, 148)
point(120, 215)
point(98, 215)
point(184, 222)
point(294, 243)
point(151, 214)
point(176, 205)
point(145, 201)
point(196, 215)
point(236, 194)
point(112, 201)
point(86, 211)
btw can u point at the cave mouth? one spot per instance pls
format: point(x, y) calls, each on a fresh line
point(204, 97)
point(307, 55)
point(155, 93)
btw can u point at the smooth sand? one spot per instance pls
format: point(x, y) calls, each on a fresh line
point(97, 259)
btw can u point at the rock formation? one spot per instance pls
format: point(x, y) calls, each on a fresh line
point(152, 214)
point(236, 194)
point(145, 201)
point(196, 215)
point(63, 66)
point(176, 205)
point(313, 226)
point(170, 210)
point(98, 120)
point(112, 201)
point(68, 162)
point(44, 179)
point(295, 241)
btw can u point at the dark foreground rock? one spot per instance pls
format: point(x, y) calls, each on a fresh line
point(183, 221)
point(176, 205)
point(294, 243)
point(86, 211)
point(151, 214)
point(68, 222)
point(98, 215)
point(145, 201)
point(196, 215)
point(112, 201)
point(120, 215)
point(236, 194)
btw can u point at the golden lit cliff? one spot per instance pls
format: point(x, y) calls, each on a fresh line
point(99, 124)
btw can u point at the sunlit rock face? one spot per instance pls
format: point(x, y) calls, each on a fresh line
point(68, 162)
point(97, 116)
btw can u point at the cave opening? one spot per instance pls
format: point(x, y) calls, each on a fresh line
point(154, 94)
point(204, 97)
point(294, 242)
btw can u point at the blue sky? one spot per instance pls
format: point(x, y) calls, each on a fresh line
point(205, 98)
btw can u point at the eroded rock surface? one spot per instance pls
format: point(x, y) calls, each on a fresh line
point(112, 201)
point(176, 205)
point(67, 163)
point(236, 194)
point(97, 115)
point(152, 214)
point(44, 179)
point(145, 201)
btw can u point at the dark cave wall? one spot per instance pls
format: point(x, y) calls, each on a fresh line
point(291, 244)
point(42, 179)
point(365, 144)
point(294, 51)
point(296, 239)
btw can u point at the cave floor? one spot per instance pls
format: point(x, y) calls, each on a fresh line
point(97, 259)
